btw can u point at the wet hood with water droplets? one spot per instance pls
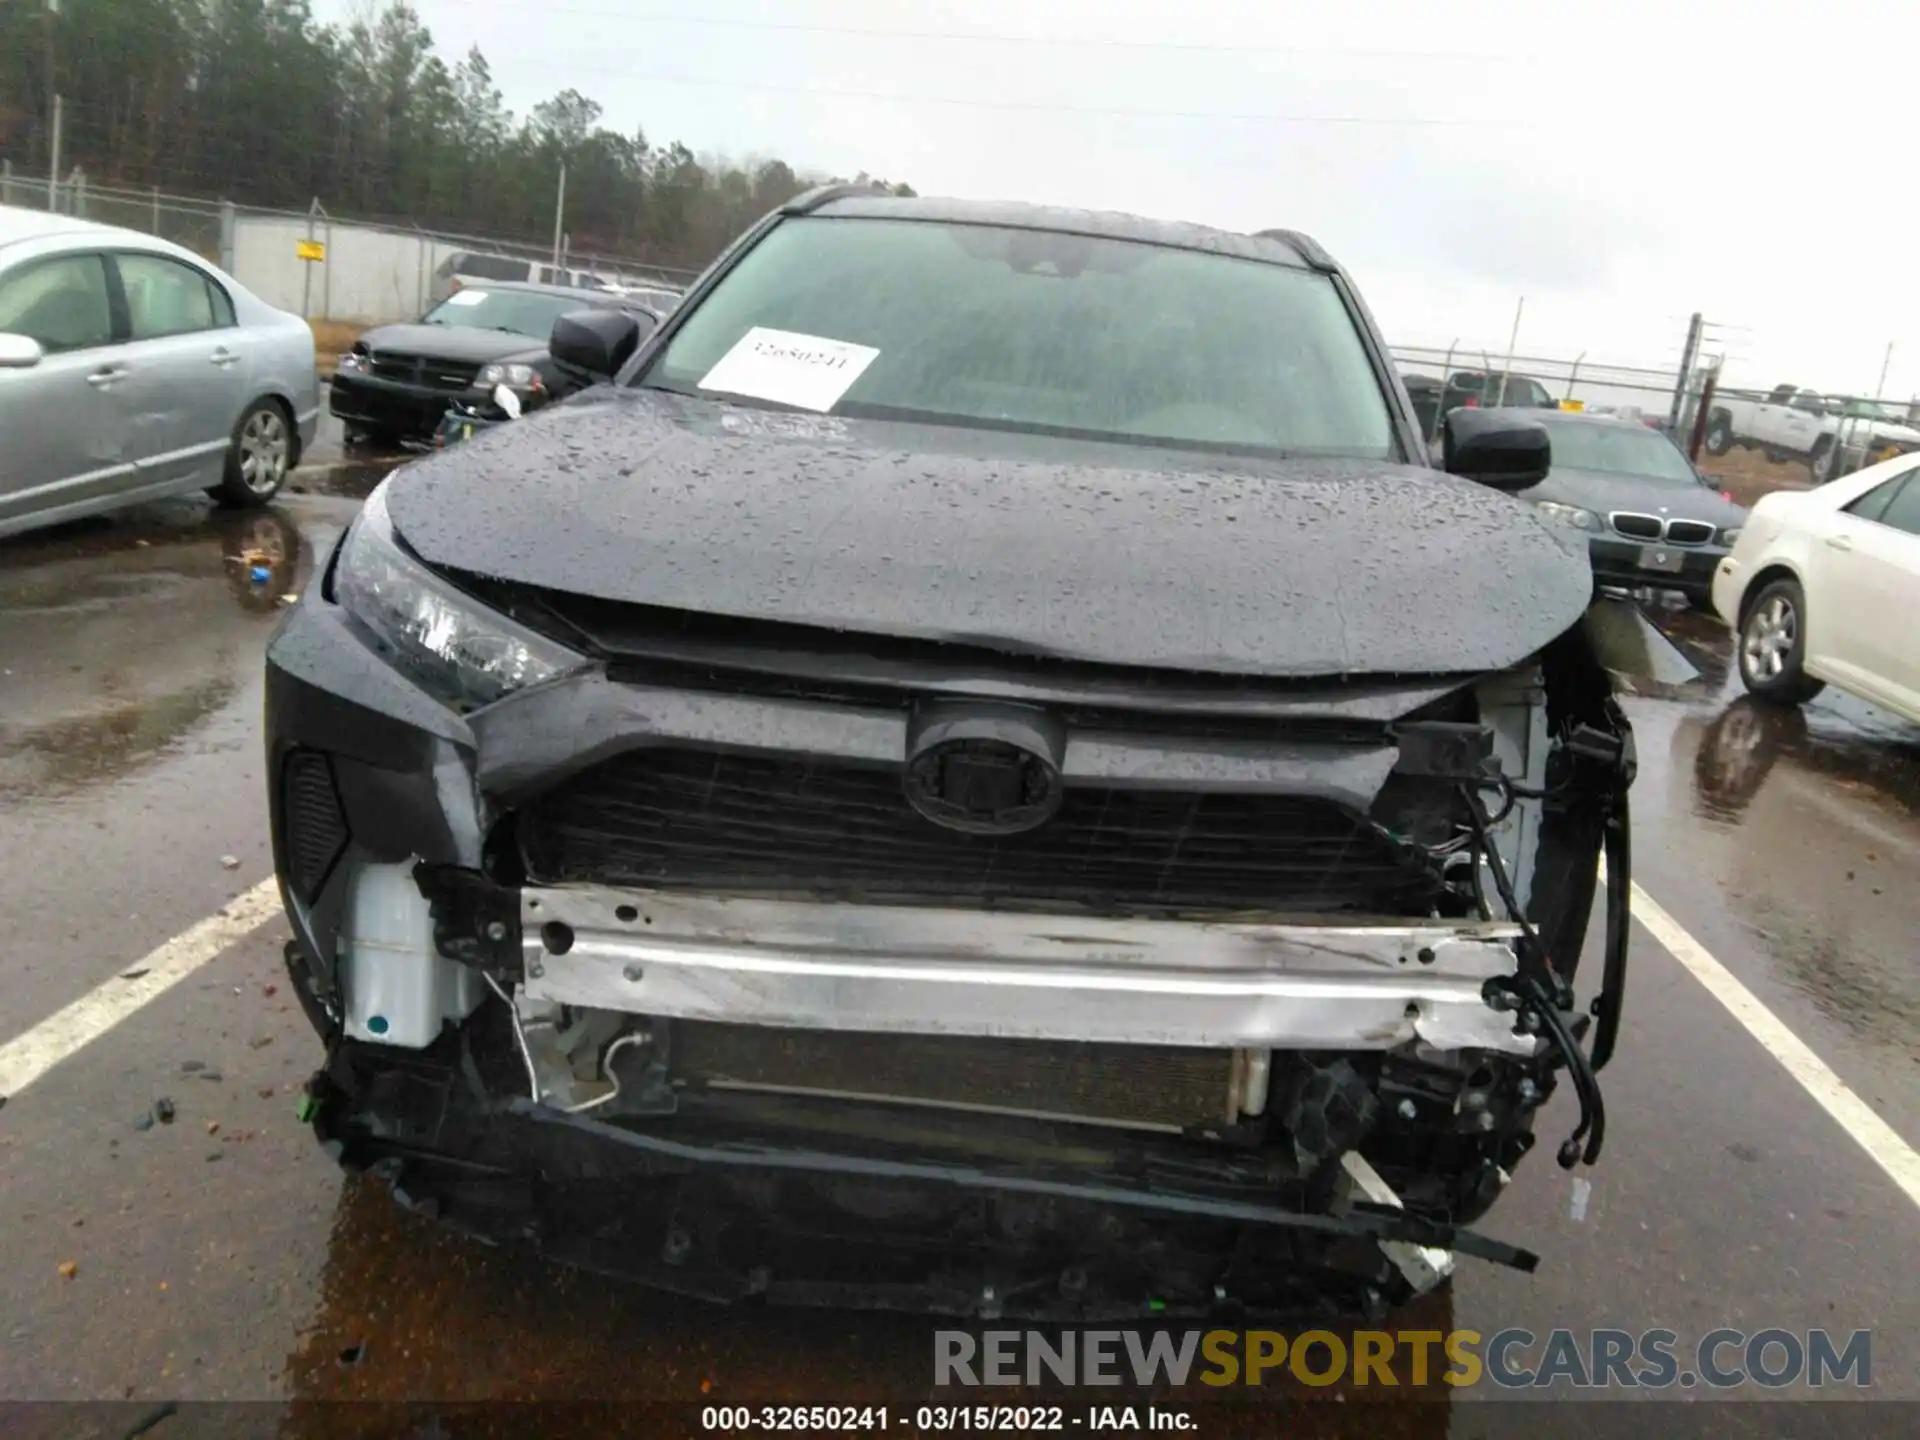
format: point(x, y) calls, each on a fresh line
point(1114, 554)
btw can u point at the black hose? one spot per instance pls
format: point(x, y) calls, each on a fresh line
point(1611, 1001)
point(1535, 989)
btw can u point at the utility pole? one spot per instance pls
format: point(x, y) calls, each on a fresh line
point(56, 116)
point(1688, 355)
point(1885, 365)
point(53, 169)
point(559, 213)
point(1513, 341)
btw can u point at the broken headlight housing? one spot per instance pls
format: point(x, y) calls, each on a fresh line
point(453, 646)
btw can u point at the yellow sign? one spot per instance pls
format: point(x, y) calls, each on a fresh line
point(1575, 405)
point(310, 249)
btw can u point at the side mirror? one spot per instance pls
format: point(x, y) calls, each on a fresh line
point(597, 343)
point(1497, 448)
point(19, 352)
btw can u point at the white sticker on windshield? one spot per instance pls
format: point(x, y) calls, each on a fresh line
point(466, 297)
point(802, 370)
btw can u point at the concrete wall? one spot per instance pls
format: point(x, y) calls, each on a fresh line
point(369, 276)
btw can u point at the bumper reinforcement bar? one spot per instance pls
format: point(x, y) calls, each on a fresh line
point(1334, 986)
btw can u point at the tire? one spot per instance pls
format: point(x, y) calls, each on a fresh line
point(1820, 462)
point(1719, 435)
point(260, 455)
point(1771, 649)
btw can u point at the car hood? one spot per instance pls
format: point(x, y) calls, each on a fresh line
point(1603, 491)
point(451, 342)
point(1109, 554)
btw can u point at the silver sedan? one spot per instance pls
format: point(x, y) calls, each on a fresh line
point(131, 369)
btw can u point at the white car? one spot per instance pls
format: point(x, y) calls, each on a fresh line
point(1823, 587)
point(131, 369)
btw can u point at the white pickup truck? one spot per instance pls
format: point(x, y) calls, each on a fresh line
point(1803, 424)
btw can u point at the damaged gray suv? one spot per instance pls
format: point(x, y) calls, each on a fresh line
point(980, 771)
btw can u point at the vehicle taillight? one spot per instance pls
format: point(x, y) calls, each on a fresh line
point(1472, 403)
point(1727, 495)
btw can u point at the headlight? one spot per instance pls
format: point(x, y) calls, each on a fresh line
point(519, 377)
point(1572, 515)
point(353, 363)
point(452, 645)
point(1730, 538)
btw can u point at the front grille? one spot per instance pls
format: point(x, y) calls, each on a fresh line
point(698, 819)
point(1637, 527)
point(316, 830)
point(1138, 1084)
point(1652, 527)
point(424, 370)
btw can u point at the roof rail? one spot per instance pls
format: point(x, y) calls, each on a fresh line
point(812, 200)
point(1309, 248)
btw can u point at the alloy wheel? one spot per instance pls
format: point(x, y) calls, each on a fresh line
point(263, 451)
point(1766, 647)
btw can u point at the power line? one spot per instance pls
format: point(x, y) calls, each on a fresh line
point(1034, 106)
point(1415, 122)
point(1067, 42)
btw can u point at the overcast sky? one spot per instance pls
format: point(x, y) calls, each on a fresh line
point(1618, 165)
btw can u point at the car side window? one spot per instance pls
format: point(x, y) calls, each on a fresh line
point(1873, 505)
point(1902, 512)
point(223, 316)
point(61, 302)
point(164, 296)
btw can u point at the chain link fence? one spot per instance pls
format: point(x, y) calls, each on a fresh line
point(313, 263)
point(364, 272)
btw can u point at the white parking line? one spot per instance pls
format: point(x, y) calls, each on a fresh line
point(26, 1058)
point(1879, 1139)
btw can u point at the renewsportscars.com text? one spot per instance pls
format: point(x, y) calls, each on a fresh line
point(1513, 1358)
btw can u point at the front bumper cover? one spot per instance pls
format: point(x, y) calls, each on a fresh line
point(1623, 562)
point(420, 783)
point(726, 1204)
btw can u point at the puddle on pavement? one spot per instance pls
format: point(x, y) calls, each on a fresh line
point(353, 478)
point(411, 1312)
point(123, 634)
point(1801, 826)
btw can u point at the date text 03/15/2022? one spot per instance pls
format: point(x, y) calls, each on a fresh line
point(940, 1419)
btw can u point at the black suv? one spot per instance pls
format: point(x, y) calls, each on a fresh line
point(983, 772)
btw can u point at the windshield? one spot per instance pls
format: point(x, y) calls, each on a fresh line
point(1038, 332)
point(524, 312)
point(1618, 450)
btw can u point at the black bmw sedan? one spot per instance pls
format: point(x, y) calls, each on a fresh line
point(1652, 521)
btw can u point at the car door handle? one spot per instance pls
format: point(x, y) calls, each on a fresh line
point(103, 377)
point(224, 357)
point(1839, 542)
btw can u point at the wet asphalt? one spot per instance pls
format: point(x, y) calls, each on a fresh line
point(222, 1257)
